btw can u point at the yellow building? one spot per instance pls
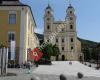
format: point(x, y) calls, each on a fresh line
point(17, 24)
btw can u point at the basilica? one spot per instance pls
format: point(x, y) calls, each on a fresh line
point(62, 33)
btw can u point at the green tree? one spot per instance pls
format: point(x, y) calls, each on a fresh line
point(49, 50)
point(56, 50)
point(96, 52)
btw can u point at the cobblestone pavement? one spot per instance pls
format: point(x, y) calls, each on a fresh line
point(23, 74)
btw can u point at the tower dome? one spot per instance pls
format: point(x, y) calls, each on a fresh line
point(70, 9)
point(70, 6)
point(49, 7)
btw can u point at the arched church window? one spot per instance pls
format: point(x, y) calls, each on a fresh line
point(48, 19)
point(62, 48)
point(71, 26)
point(71, 18)
point(56, 40)
point(48, 40)
point(71, 39)
point(48, 27)
point(70, 12)
point(62, 40)
point(48, 12)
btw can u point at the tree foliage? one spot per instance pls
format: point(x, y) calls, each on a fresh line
point(96, 52)
point(49, 50)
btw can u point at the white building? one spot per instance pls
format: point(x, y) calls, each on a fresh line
point(62, 33)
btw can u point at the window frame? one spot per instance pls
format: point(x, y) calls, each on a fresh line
point(71, 26)
point(56, 40)
point(12, 18)
point(11, 38)
point(48, 27)
point(72, 40)
point(63, 48)
point(63, 40)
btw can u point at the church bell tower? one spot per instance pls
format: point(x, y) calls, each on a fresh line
point(48, 22)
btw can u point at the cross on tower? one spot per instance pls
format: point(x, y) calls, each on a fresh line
point(48, 1)
point(69, 1)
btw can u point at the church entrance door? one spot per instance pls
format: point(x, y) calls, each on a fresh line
point(63, 57)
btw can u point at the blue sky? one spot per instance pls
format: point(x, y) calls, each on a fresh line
point(87, 12)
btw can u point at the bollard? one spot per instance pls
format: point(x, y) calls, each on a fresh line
point(62, 77)
point(35, 78)
point(80, 75)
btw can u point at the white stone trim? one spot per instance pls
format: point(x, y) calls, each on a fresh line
point(12, 8)
point(22, 30)
point(12, 12)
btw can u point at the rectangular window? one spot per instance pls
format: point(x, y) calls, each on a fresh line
point(9, 53)
point(57, 40)
point(71, 26)
point(63, 40)
point(62, 48)
point(71, 39)
point(48, 27)
point(11, 36)
point(48, 40)
point(12, 18)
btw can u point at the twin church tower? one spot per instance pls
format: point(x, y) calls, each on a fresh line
point(63, 32)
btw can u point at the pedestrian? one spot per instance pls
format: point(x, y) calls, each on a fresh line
point(36, 63)
point(24, 65)
point(28, 66)
point(70, 62)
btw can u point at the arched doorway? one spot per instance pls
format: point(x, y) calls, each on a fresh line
point(63, 57)
point(57, 57)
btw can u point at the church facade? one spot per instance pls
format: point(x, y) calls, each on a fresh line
point(62, 33)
